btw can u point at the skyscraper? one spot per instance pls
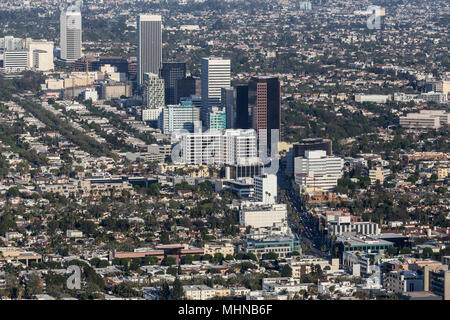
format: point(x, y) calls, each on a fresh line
point(215, 76)
point(264, 99)
point(171, 72)
point(190, 86)
point(242, 113)
point(71, 33)
point(153, 91)
point(149, 52)
point(229, 105)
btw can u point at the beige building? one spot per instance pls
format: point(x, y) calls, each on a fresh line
point(11, 254)
point(303, 266)
point(194, 171)
point(223, 292)
point(116, 90)
point(224, 249)
point(443, 172)
point(86, 188)
point(199, 292)
point(437, 281)
point(378, 174)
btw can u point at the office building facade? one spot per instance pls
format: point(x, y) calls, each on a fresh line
point(171, 72)
point(181, 116)
point(266, 188)
point(153, 88)
point(228, 104)
point(216, 74)
point(264, 99)
point(226, 147)
point(71, 34)
point(187, 87)
point(317, 171)
point(263, 216)
point(149, 51)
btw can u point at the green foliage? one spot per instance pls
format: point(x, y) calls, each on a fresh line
point(169, 261)
point(286, 271)
point(271, 256)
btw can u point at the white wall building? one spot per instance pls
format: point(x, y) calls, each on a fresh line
point(263, 216)
point(152, 114)
point(16, 61)
point(317, 171)
point(266, 188)
point(90, 93)
point(199, 292)
point(153, 91)
point(216, 74)
point(41, 52)
point(225, 147)
point(26, 54)
point(71, 33)
point(338, 225)
point(425, 119)
point(178, 117)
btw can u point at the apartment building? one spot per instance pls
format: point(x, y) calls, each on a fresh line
point(226, 147)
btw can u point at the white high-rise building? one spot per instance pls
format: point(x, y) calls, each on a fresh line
point(71, 33)
point(317, 171)
point(178, 117)
point(216, 74)
point(149, 51)
point(41, 53)
point(265, 188)
point(153, 91)
point(226, 147)
point(152, 114)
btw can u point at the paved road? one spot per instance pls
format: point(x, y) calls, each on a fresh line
point(311, 235)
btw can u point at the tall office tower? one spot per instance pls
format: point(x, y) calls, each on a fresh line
point(216, 74)
point(71, 33)
point(229, 105)
point(266, 188)
point(153, 91)
point(190, 86)
point(264, 99)
point(171, 72)
point(149, 52)
point(243, 120)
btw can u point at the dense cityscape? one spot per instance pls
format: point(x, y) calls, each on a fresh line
point(224, 150)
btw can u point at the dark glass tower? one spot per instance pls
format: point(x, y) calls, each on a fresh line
point(171, 72)
point(264, 100)
point(242, 112)
point(187, 87)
